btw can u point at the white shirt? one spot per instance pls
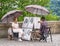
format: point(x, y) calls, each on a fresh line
point(15, 25)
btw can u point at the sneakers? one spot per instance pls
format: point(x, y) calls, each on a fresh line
point(19, 40)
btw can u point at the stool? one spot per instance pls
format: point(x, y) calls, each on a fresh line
point(35, 35)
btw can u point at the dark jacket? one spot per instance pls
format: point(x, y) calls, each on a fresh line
point(44, 29)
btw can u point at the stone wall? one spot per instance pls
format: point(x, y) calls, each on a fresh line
point(3, 30)
point(55, 27)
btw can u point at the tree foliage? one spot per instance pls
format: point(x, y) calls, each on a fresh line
point(8, 5)
point(52, 17)
point(55, 7)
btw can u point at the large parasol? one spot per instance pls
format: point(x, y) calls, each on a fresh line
point(8, 17)
point(37, 9)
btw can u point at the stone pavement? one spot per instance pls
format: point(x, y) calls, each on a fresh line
point(56, 42)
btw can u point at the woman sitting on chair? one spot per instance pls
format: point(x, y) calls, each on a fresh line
point(15, 29)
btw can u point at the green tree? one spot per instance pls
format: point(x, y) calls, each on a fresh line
point(52, 17)
point(7, 5)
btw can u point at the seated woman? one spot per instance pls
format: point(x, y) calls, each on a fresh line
point(15, 29)
point(43, 28)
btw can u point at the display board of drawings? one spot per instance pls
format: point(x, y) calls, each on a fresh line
point(30, 21)
point(28, 24)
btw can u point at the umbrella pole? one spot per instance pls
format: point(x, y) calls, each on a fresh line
point(7, 24)
point(7, 19)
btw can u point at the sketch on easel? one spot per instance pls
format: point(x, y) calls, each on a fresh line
point(35, 22)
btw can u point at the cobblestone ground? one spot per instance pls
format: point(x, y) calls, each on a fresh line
point(56, 42)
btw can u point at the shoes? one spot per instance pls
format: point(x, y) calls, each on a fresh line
point(19, 40)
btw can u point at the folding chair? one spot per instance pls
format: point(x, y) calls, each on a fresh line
point(15, 34)
point(49, 33)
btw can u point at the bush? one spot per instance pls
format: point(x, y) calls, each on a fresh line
point(51, 17)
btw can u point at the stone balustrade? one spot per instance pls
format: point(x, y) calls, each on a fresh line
point(55, 27)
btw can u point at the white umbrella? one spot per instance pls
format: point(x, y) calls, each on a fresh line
point(37, 9)
point(8, 17)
